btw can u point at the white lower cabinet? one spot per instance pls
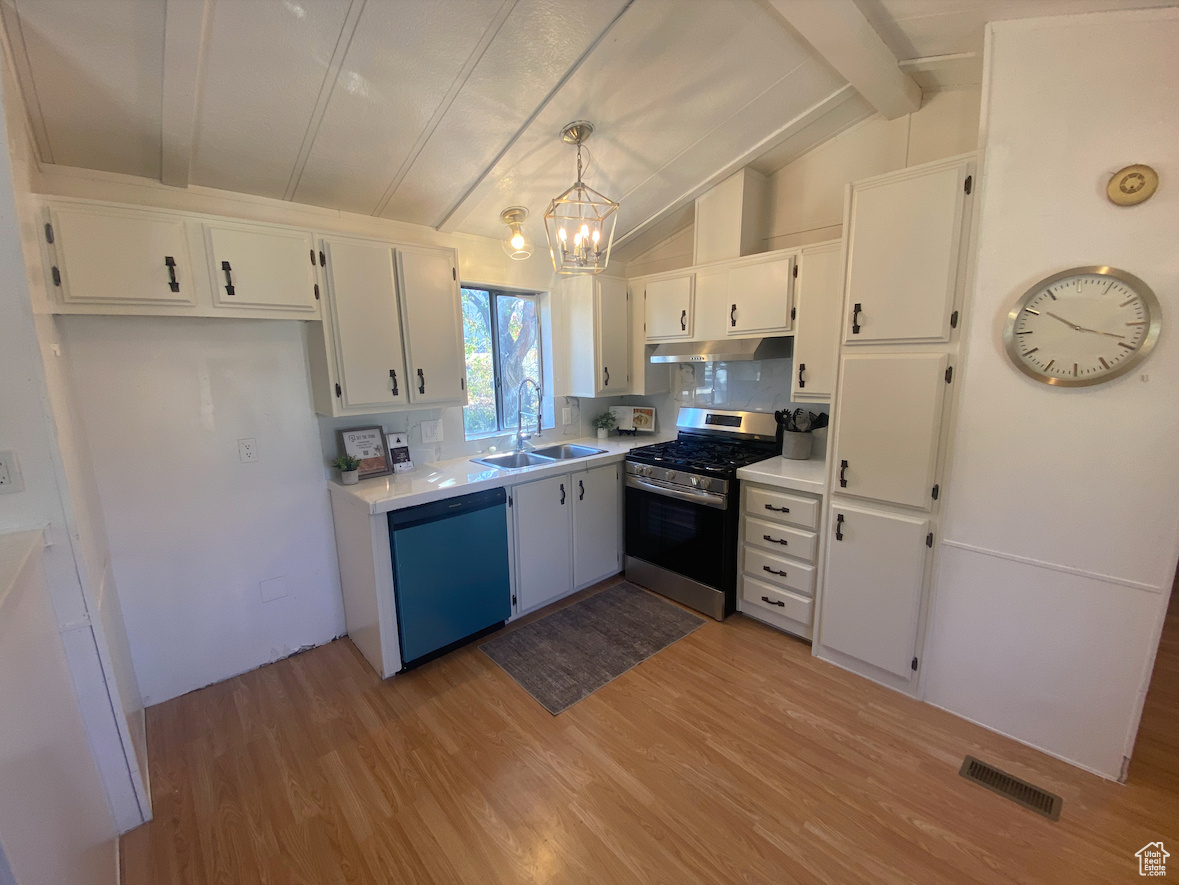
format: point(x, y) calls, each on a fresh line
point(872, 586)
point(597, 524)
point(568, 532)
point(544, 541)
point(779, 548)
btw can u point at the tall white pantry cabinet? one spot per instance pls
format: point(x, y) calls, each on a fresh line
point(907, 238)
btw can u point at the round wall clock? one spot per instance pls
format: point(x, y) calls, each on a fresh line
point(1082, 326)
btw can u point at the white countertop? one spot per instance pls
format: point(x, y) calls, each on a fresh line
point(787, 473)
point(15, 550)
point(461, 476)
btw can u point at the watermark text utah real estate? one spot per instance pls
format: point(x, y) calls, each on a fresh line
point(1152, 859)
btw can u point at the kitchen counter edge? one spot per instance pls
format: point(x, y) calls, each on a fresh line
point(787, 473)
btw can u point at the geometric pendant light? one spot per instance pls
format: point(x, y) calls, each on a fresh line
point(580, 222)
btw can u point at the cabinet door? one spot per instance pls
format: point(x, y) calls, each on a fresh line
point(261, 267)
point(114, 256)
point(872, 586)
point(544, 537)
point(597, 524)
point(365, 324)
point(432, 314)
point(612, 336)
point(711, 304)
point(903, 242)
point(669, 308)
point(816, 331)
point(761, 295)
point(889, 417)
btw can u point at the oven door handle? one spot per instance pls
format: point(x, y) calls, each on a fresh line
point(708, 499)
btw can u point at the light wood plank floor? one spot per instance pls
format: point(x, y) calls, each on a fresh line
point(732, 756)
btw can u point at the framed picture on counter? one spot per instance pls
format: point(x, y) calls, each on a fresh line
point(367, 444)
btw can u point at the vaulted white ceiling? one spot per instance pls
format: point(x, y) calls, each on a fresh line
point(444, 112)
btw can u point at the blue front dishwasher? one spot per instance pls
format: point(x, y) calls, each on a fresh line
point(450, 572)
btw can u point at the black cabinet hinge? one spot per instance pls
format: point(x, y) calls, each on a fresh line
point(49, 233)
point(56, 276)
point(454, 274)
point(513, 600)
point(339, 392)
point(317, 291)
point(795, 271)
point(969, 183)
point(312, 257)
point(322, 259)
point(949, 374)
point(937, 489)
point(913, 666)
point(793, 313)
point(954, 320)
point(510, 504)
point(463, 383)
point(929, 540)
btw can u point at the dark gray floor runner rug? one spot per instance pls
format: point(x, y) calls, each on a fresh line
point(571, 653)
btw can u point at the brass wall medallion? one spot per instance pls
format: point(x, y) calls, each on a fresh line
point(1132, 185)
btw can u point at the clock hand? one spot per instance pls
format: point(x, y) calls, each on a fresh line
point(1082, 328)
point(1063, 320)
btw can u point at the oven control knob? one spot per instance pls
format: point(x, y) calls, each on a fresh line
point(705, 482)
point(646, 471)
point(670, 475)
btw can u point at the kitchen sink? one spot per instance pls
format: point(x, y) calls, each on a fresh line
point(565, 451)
point(511, 460)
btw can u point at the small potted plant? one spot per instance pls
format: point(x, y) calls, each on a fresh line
point(604, 422)
point(349, 468)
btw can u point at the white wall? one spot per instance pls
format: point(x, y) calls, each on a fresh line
point(1061, 528)
point(55, 826)
point(193, 531)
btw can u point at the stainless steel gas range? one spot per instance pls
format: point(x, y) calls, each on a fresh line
point(682, 506)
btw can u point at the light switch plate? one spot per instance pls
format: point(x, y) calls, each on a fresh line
point(566, 415)
point(432, 431)
point(10, 478)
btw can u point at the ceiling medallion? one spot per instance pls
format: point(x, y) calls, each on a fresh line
point(580, 222)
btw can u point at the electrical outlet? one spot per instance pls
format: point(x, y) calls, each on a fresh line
point(432, 431)
point(566, 415)
point(247, 450)
point(10, 478)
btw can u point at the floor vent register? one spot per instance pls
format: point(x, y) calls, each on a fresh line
point(1027, 795)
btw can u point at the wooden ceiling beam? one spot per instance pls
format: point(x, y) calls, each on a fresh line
point(186, 35)
point(839, 32)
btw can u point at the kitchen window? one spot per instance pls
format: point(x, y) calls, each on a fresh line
point(502, 341)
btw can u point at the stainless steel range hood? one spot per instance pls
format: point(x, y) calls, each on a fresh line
point(728, 350)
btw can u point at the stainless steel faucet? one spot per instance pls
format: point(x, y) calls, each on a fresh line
point(521, 436)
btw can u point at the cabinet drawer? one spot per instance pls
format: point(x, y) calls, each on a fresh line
point(782, 507)
point(780, 539)
point(780, 572)
point(761, 596)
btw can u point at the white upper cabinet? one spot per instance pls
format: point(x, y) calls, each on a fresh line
point(669, 308)
point(887, 426)
point(105, 255)
point(612, 335)
point(364, 321)
point(432, 313)
point(816, 329)
point(594, 332)
point(761, 295)
point(261, 267)
point(905, 232)
point(712, 303)
point(597, 520)
point(872, 596)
